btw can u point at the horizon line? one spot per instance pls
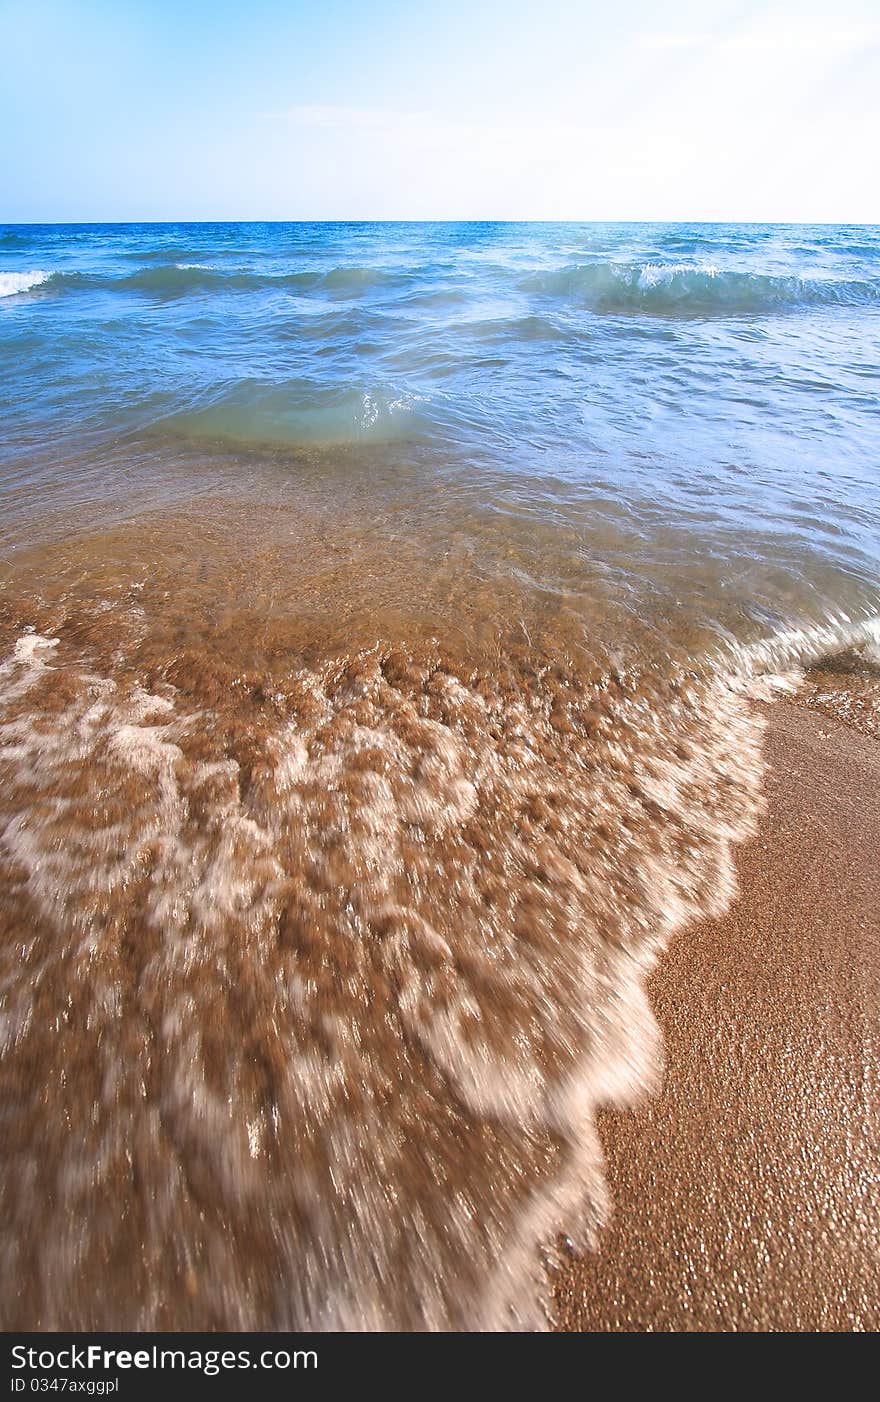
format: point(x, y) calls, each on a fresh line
point(446, 219)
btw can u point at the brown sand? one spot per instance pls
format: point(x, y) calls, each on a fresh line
point(746, 1194)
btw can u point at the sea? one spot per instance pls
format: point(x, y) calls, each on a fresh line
point(389, 617)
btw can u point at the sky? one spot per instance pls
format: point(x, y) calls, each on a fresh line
point(395, 109)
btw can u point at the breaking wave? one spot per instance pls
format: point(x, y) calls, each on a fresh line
point(14, 284)
point(181, 278)
point(676, 289)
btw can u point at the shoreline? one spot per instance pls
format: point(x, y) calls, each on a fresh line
point(742, 1193)
point(737, 1192)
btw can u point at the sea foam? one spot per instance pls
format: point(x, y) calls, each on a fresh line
point(13, 284)
point(332, 972)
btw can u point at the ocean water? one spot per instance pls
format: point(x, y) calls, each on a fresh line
point(382, 610)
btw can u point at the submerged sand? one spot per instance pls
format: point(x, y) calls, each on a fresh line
point(745, 1195)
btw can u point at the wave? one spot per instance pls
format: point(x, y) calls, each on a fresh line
point(792, 648)
point(300, 413)
point(177, 279)
point(181, 278)
point(681, 289)
point(14, 284)
point(654, 289)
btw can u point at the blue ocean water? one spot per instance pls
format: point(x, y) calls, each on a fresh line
point(680, 388)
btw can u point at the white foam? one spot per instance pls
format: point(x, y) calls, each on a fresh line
point(658, 274)
point(189, 891)
point(13, 284)
point(788, 650)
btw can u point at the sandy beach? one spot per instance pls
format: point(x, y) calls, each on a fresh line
point(746, 1193)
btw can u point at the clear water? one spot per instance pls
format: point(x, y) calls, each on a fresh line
point(670, 390)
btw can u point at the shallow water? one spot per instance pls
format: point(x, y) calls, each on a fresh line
point(380, 608)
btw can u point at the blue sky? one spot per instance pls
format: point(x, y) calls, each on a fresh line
point(148, 109)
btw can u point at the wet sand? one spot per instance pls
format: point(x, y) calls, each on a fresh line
point(746, 1193)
